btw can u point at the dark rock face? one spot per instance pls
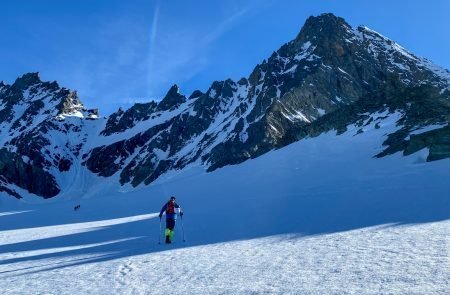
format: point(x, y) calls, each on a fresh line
point(419, 107)
point(27, 174)
point(329, 77)
point(423, 106)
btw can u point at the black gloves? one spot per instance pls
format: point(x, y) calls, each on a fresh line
point(181, 214)
point(159, 216)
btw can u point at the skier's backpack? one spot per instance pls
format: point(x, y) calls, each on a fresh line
point(170, 208)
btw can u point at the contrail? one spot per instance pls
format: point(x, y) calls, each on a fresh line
point(153, 34)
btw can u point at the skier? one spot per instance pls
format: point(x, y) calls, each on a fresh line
point(171, 208)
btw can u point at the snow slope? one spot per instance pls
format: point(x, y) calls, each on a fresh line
point(320, 216)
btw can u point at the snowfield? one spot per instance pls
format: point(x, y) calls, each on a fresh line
point(320, 216)
point(388, 259)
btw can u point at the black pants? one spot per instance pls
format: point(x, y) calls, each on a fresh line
point(170, 223)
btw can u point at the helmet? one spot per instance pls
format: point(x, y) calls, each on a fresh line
point(172, 198)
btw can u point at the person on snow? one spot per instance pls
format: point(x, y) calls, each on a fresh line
point(172, 209)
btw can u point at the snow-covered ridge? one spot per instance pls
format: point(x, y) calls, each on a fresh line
point(441, 73)
point(229, 123)
point(45, 130)
point(381, 45)
point(38, 105)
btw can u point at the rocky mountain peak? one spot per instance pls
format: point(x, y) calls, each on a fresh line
point(27, 80)
point(120, 111)
point(195, 94)
point(216, 89)
point(172, 99)
point(325, 20)
point(324, 39)
point(325, 25)
point(173, 90)
point(70, 103)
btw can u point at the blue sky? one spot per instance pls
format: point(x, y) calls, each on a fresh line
point(116, 52)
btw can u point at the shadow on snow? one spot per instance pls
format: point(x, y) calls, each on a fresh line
point(249, 218)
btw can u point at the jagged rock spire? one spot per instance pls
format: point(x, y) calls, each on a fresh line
point(172, 99)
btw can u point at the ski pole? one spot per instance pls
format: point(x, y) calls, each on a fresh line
point(159, 233)
point(182, 228)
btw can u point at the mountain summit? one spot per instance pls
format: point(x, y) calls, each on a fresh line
point(329, 77)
